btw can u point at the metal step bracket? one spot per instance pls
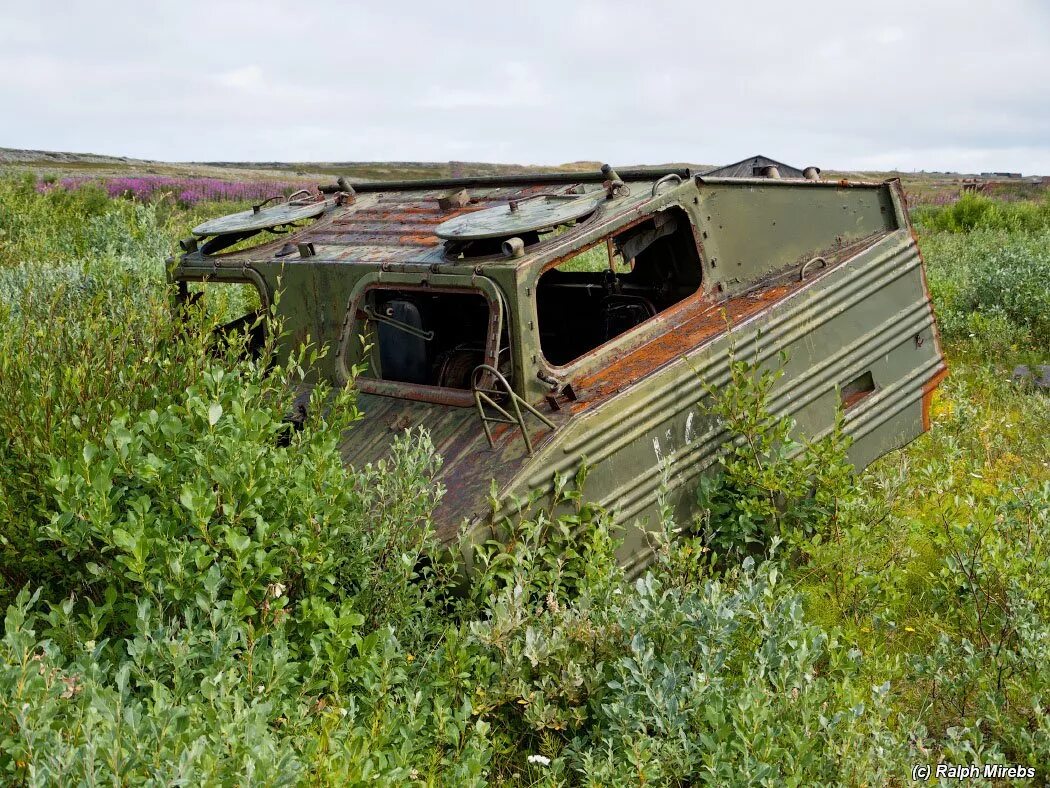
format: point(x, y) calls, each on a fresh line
point(489, 385)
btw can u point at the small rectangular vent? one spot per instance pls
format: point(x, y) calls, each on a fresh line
point(857, 389)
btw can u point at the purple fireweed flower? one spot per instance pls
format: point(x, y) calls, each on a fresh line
point(184, 190)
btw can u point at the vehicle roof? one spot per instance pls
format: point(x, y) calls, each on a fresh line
point(395, 222)
point(399, 226)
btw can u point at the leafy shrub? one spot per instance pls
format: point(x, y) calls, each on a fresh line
point(169, 706)
point(991, 287)
point(978, 212)
point(1015, 283)
point(62, 226)
point(768, 485)
point(665, 682)
point(725, 683)
point(989, 670)
point(74, 353)
point(222, 601)
point(229, 586)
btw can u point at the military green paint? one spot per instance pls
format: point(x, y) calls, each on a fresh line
point(638, 411)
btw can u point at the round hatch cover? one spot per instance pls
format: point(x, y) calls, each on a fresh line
point(519, 216)
point(247, 221)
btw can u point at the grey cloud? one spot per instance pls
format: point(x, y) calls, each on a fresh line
point(936, 85)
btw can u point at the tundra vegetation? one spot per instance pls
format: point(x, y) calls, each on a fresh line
point(182, 190)
point(194, 595)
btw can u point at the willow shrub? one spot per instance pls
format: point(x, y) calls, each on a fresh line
point(215, 581)
point(225, 601)
point(989, 270)
point(198, 595)
point(979, 212)
point(769, 485)
point(991, 289)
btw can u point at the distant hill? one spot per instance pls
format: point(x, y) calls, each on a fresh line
point(58, 163)
point(62, 163)
point(18, 156)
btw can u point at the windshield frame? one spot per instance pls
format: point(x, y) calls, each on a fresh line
point(352, 352)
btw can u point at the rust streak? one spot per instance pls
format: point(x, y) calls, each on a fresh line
point(927, 395)
point(703, 321)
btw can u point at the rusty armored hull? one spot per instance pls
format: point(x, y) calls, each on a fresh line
point(533, 324)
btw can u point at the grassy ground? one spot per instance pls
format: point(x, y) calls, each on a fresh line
point(46, 164)
point(220, 602)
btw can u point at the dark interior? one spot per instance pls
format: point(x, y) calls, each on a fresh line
point(429, 339)
point(857, 389)
point(581, 310)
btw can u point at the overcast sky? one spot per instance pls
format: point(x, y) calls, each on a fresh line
point(875, 85)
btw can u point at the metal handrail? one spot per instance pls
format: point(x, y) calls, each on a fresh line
point(290, 199)
point(259, 206)
point(805, 266)
point(671, 176)
point(484, 396)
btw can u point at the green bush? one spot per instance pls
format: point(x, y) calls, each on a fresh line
point(768, 485)
point(989, 670)
point(992, 287)
point(978, 212)
point(169, 706)
point(196, 595)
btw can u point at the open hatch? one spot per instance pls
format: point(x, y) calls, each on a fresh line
point(518, 225)
point(275, 216)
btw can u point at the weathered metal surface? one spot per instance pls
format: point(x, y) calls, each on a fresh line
point(263, 218)
point(519, 216)
point(828, 272)
point(469, 464)
point(525, 178)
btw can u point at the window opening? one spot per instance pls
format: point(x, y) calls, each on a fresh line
point(857, 389)
point(429, 338)
point(235, 308)
point(610, 288)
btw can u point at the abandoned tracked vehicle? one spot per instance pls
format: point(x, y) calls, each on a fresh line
point(535, 323)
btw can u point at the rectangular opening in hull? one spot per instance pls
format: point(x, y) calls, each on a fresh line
point(857, 389)
point(430, 338)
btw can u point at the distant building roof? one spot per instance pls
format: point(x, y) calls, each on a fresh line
point(753, 166)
